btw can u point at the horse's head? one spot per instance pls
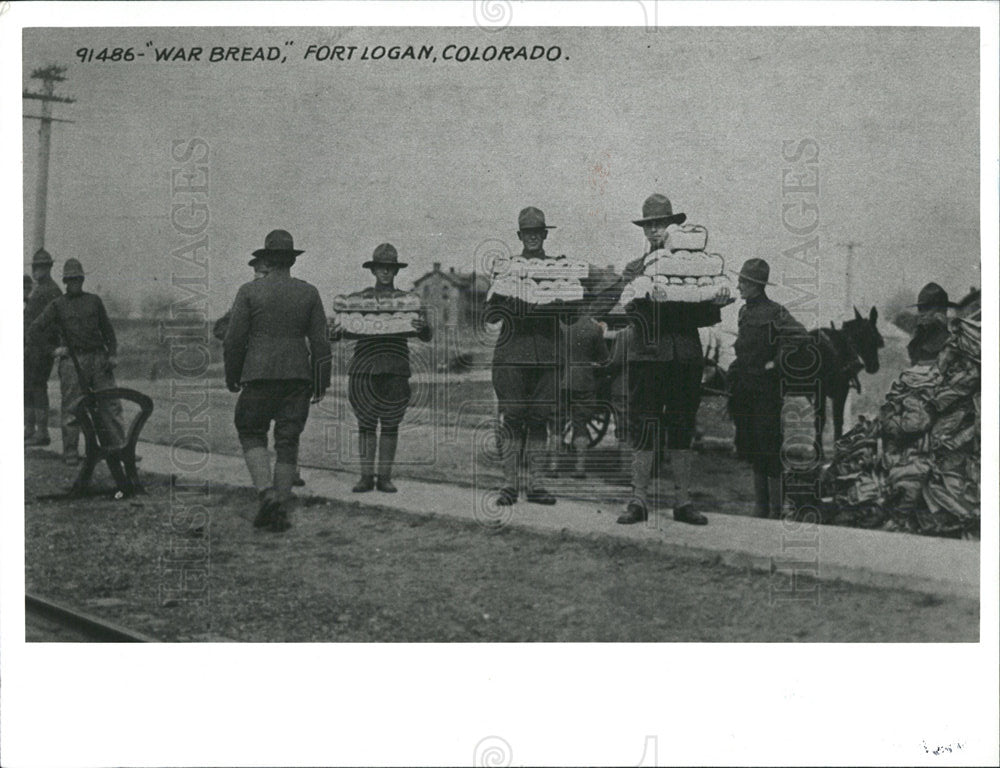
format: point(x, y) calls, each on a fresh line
point(865, 338)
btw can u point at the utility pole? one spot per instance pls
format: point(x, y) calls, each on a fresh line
point(49, 76)
point(850, 245)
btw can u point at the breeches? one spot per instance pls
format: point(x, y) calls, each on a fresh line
point(379, 398)
point(756, 412)
point(663, 396)
point(283, 401)
point(37, 369)
point(97, 376)
point(526, 395)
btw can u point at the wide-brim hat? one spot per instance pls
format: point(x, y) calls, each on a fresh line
point(933, 295)
point(72, 268)
point(384, 255)
point(41, 258)
point(278, 243)
point(531, 218)
point(658, 208)
point(756, 271)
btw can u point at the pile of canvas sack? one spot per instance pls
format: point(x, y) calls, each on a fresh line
point(917, 466)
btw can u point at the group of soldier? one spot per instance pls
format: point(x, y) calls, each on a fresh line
point(277, 356)
point(661, 356)
point(71, 330)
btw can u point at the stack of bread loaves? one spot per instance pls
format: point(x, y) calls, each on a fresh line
point(538, 281)
point(361, 315)
point(680, 271)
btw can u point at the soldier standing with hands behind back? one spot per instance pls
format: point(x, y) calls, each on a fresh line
point(766, 329)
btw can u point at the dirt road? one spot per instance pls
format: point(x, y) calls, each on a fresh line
point(363, 574)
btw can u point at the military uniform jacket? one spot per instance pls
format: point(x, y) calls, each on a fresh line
point(526, 337)
point(584, 346)
point(270, 321)
point(44, 293)
point(665, 331)
point(929, 338)
point(388, 354)
point(79, 322)
point(765, 328)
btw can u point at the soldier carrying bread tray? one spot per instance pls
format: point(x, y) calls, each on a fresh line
point(669, 292)
point(528, 295)
point(380, 318)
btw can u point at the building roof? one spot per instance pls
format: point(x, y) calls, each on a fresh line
point(462, 280)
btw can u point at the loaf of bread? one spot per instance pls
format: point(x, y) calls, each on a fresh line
point(538, 281)
point(686, 237)
point(364, 314)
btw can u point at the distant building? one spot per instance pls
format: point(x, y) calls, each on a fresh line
point(452, 298)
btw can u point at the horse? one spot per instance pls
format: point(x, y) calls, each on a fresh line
point(843, 353)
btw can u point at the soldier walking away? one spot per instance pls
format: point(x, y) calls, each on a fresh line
point(38, 351)
point(222, 325)
point(378, 378)
point(524, 375)
point(84, 332)
point(277, 375)
point(664, 366)
point(767, 334)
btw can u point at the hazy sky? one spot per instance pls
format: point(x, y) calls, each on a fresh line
point(439, 157)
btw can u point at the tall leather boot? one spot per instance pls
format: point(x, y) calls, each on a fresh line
point(40, 418)
point(386, 456)
point(258, 462)
point(284, 477)
point(642, 470)
point(510, 444)
point(580, 458)
point(776, 496)
point(71, 444)
point(29, 422)
point(366, 451)
point(554, 444)
point(761, 495)
point(535, 446)
point(681, 461)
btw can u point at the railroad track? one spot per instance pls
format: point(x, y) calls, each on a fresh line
point(60, 623)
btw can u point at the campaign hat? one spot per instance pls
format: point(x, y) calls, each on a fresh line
point(658, 208)
point(933, 295)
point(531, 218)
point(384, 255)
point(756, 271)
point(278, 243)
point(71, 269)
point(41, 258)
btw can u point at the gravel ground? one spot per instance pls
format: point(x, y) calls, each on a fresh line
point(347, 572)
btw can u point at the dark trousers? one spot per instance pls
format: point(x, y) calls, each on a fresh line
point(379, 399)
point(663, 396)
point(283, 401)
point(526, 395)
point(755, 407)
point(37, 369)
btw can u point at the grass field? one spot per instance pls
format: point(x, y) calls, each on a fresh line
point(347, 572)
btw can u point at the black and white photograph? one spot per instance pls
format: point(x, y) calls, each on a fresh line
point(642, 353)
